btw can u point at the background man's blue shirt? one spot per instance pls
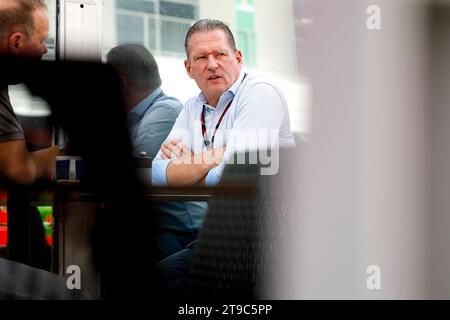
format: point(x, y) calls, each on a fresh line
point(151, 120)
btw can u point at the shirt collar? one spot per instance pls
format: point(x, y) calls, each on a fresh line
point(142, 106)
point(229, 94)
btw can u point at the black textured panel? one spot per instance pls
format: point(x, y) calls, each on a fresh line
point(241, 234)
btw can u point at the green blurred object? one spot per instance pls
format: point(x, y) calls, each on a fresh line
point(47, 220)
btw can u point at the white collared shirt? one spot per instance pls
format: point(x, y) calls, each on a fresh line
point(258, 109)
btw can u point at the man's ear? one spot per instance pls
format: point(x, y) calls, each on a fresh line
point(187, 65)
point(239, 57)
point(15, 42)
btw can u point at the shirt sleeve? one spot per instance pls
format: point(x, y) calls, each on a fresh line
point(180, 130)
point(159, 168)
point(213, 176)
point(10, 128)
point(259, 117)
point(155, 127)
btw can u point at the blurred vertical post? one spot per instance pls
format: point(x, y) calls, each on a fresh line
point(367, 165)
point(439, 183)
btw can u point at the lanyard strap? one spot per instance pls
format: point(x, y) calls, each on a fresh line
point(209, 144)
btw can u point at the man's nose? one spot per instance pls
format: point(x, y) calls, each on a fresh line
point(45, 49)
point(212, 64)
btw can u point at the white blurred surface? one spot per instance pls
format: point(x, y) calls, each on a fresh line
point(376, 175)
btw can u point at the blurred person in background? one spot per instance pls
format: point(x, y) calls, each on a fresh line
point(151, 113)
point(22, 35)
point(24, 29)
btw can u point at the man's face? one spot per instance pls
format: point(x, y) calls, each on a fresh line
point(34, 46)
point(212, 63)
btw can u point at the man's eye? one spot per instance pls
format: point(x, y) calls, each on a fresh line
point(199, 58)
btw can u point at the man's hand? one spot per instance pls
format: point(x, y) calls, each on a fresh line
point(175, 149)
point(212, 157)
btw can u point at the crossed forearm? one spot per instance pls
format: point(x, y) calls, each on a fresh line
point(180, 174)
point(191, 170)
point(185, 168)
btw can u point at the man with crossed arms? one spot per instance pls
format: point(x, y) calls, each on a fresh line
point(230, 100)
point(212, 127)
point(209, 129)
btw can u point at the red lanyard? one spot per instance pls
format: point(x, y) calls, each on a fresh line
point(209, 144)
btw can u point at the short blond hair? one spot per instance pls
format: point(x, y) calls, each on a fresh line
point(17, 16)
point(205, 25)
